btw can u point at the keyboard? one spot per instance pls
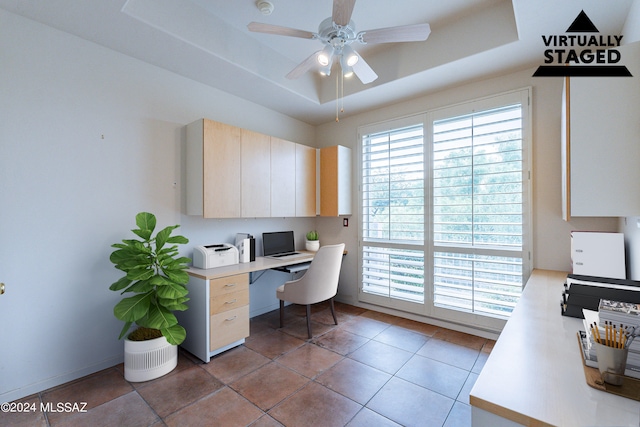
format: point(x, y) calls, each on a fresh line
point(285, 254)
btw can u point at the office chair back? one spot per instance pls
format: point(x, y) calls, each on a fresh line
point(320, 282)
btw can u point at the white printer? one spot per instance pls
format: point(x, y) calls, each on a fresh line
point(212, 256)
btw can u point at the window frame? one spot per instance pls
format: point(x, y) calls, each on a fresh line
point(427, 308)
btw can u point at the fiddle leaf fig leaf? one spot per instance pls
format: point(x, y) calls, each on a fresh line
point(175, 334)
point(133, 308)
point(172, 291)
point(122, 283)
point(159, 317)
point(181, 240)
point(140, 273)
point(146, 221)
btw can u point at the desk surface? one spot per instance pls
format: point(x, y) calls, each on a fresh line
point(534, 375)
point(261, 263)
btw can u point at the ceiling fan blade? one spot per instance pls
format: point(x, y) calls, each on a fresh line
point(259, 27)
point(405, 33)
point(364, 72)
point(342, 10)
point(303, 67)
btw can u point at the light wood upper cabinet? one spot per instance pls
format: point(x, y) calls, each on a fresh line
point(335, 181)
point(283, 178)
point(256, 174)
point(213, 169)
point(601, 142)
point(305, 180)
point(237, 173)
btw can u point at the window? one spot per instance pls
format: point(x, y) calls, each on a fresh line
point(478, 210)
point(445, 210)
point(393, 180)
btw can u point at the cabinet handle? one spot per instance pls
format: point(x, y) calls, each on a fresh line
point(232, 301)
point(579, 263)
point(230, 319)
point(230, 285)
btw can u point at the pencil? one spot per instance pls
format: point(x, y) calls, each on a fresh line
point(595, 327)
point(620, 345)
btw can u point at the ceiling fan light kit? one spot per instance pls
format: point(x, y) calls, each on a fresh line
point(325, 56)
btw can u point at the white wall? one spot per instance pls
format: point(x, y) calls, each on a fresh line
point(67, 193)
point(551, 249)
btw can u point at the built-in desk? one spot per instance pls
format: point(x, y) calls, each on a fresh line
point(218, 314)
point(260, 264)
point(534, 375)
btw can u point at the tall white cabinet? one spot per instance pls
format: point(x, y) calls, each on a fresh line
point(601, 142)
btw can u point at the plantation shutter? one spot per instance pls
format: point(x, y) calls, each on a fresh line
point(393, 213)
point(478, 184)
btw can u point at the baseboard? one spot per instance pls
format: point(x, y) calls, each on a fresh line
point(483, 333)
point(48, 383)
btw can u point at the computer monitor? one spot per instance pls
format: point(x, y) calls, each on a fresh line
point(278, 242)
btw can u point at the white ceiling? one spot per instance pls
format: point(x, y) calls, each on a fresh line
point(208, 41)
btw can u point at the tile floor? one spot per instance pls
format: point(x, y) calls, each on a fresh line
point(372, 369)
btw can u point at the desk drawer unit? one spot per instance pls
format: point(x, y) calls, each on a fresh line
point(229, 310)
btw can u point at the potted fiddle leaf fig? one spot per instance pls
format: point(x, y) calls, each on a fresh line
point(313, 241)
point(155, 277)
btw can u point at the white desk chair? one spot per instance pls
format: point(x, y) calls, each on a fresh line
point(319, 283)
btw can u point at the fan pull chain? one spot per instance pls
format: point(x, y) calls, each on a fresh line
point(342, 92)
point(337, 100)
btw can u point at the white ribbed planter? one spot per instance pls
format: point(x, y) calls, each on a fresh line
point(312, 245)
point(148, 360)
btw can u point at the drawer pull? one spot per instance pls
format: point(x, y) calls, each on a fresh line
point(233, 301)
point(231, 318)
point(230, 285)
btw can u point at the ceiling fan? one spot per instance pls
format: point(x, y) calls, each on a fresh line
point(337, 33)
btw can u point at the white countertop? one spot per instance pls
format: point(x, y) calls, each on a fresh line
point(534, 375)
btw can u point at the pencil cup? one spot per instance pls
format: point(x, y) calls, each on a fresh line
point(611, 363)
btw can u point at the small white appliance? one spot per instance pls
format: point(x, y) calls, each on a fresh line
point(598, 254)
point(212, 256)
point(246, 245)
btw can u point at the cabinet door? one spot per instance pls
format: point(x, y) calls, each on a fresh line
point(305, 181)
point(256, 175)
point(283, 178)
point(603, 143)
point(335, 181)
point(221, 170)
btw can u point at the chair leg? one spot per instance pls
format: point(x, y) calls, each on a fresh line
point(333, 311)
point(281, 313)
point(309, 320)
